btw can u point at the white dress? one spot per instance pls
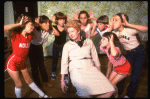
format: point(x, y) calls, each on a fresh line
point(84, 75)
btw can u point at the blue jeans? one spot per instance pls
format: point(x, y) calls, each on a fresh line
point(136, 58)
point(56, 50)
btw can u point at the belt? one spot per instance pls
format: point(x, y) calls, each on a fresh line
point(81, 58)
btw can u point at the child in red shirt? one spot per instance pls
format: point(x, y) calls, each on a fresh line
point(121, 67)
point(20, 45)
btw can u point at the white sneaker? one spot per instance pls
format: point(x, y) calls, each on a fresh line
point(125, 97)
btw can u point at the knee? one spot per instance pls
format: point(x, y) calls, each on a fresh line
point(115, 86)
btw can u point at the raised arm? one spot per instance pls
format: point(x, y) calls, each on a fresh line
point(75, 16)
point(110, 25)
point(93, 32)
point(53, 18)
point(37, 22)
point(92, 15)
point(8, 28)
point(114, 51)
point(139, 28)
point(55, 32)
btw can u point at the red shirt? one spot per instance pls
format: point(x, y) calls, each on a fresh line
point(20, 44)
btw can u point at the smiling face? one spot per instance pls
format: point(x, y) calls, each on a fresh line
point(73, 33)
point(83, 19)
point(29, 27)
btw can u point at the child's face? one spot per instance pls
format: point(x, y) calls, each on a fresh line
point(73, 33)
point(104, 42)
point(45, 26)
point(117, 22)
point(29, 27)
point(83, 19)
point(101, 26)
point(61, 22)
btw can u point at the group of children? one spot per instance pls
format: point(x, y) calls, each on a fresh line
point(118, 40)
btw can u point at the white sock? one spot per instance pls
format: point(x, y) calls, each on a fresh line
point(18, 92)
point(34, 87)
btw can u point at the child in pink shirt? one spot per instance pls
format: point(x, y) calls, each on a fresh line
point(121, 67)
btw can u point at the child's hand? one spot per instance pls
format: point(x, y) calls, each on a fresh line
point(76, 16)
point(111, 22)
point(111, 38)
point(125, 22)
point(63, 87)
point(37, 20)
point(53, 18)
point(23, 20)
point(67, 17)
point(91, 15)
point(94, 23)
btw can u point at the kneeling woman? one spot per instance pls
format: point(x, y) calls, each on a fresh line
point(84, 65)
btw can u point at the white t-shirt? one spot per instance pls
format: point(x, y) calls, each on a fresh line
point(128, 38)
point(87, 28)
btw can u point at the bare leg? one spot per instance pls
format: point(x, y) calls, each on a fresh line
point(106, 95)
point(115, 80)
point(26, 76)
point(31, 84)
point(109, 94)
point(112, 76)
point(109, 69)
point(15, 76)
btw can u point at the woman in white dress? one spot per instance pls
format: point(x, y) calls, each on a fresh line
point(84, 66)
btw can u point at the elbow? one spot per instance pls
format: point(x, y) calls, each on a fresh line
point(145, 29)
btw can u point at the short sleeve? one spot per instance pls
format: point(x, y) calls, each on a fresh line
point(13, 36)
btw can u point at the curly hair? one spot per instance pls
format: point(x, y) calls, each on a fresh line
point(72, 24)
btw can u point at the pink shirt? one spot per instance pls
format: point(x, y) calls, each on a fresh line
point(115, 60)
